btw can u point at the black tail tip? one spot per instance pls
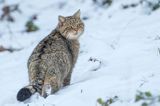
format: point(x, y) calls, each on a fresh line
point(23, 94)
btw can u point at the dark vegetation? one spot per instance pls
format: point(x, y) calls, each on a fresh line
point(144, 98)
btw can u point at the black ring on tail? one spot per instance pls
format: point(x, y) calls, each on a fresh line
point(24, 94)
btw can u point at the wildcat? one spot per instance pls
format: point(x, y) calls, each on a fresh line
point(52, 61)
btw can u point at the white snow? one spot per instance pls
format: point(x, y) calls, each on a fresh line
point(123, 46)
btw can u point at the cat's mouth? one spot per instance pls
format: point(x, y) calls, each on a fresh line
point(74, 35)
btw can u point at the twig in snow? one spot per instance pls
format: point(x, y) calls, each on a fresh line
point(7, 10)
point(95, 60)
point(143, 82)
point(126, 6)
point(2, 49)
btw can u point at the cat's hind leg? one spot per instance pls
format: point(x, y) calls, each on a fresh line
point(52, 83)
point(46, 90)
point(37, 75)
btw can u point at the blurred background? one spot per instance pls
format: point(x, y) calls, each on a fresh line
point(119, 52)
point(28, 19)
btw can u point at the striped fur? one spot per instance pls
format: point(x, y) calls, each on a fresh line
point(51, 64)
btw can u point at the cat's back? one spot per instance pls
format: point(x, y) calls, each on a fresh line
point(52, 48)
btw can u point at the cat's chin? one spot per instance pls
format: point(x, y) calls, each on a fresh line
point(72, 37)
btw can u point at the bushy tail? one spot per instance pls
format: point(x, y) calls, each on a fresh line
point(26, 92)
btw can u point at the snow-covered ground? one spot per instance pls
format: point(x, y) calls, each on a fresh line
point(119, 52)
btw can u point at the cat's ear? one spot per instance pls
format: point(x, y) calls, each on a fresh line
point(77, 14)
point(61, 18)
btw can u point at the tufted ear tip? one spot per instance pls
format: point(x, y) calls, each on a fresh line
point(77, 14)
point(61, 18)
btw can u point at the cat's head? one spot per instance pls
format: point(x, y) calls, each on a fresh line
point(71, 27)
